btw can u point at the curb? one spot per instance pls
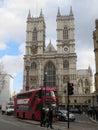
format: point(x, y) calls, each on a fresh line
point(29, 121)
point(93, 120)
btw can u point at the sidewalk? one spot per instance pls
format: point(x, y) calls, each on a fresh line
point(95, 121)
point(56, 127)
point(38, 123)
point(72, 126)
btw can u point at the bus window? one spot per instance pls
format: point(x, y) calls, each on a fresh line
point(25, 95)
point(23, 107)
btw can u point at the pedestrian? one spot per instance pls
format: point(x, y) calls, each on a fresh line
point(46, 116)
point(42, 121)
point(50, 117)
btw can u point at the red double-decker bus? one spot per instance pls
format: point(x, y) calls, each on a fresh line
point(27, 105)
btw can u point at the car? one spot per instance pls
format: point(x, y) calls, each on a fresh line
point(63, 115)
point(75, 110)
point(10, 110)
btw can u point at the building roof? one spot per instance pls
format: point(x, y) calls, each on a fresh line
point(82, 72)
point(50, 48)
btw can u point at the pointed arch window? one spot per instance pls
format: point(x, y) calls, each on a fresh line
point(49, 75)
point(65, 33)
point(35, 34)
point(81, 83)
point(65, 64)
point(86, 83)
point(33, 66)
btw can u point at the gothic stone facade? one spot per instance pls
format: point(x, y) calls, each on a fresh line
point(47, 66)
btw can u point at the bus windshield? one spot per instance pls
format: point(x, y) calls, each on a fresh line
point(48, 93)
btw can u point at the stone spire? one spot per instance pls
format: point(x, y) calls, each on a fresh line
point(90, 70)
point(41, 14)
point(58, 14)
point(29, 14)
point(71, 12)
point(50, 42)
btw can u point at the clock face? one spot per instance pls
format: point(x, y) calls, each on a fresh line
point(66, 49)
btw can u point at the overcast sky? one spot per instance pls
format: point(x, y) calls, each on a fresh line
point(13, 16)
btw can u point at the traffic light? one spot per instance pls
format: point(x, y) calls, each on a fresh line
point(70, 89)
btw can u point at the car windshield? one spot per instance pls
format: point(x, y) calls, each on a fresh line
point(63, 111)
point(11, 107)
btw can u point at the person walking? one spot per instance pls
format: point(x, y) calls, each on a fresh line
point(50, 117)
point(46, 116)
point(42, 121)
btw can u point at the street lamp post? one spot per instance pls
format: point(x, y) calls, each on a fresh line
point(45, 84)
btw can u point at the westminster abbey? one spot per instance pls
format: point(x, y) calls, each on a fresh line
point(50, 66)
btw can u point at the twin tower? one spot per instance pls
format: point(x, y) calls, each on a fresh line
point(36, 28)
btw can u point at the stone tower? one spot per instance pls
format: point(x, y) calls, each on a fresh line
point(35, 36)
point(35, 46)
point(95, 38)
point(66, 46)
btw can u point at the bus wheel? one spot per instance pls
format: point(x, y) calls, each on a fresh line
point(23, 115)
point(33, 117)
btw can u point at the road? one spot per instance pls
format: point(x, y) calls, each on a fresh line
point(12, 123)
